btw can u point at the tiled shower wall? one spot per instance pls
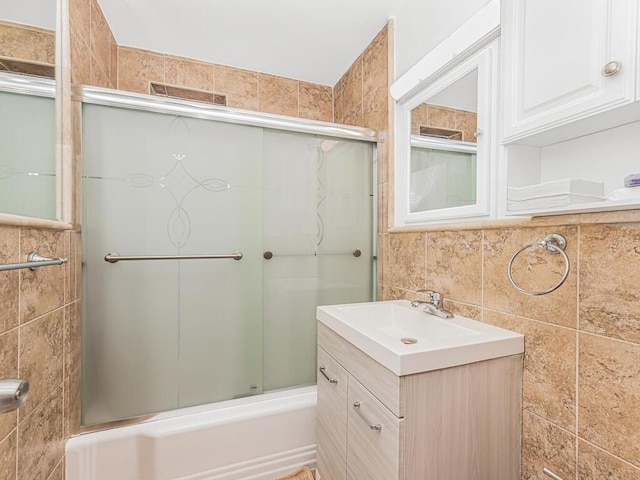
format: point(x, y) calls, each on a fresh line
point(40, 342)
point(27, 43)
point(94, 51)
point(581, 376)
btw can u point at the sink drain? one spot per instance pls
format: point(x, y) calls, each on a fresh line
point(409, 340)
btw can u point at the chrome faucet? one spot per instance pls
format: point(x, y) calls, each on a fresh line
point(433, 305)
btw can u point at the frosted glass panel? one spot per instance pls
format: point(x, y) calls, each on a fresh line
point(318, 210)
point(161, 335)
point(441, 179)
point(166, 334)
point(27, 155)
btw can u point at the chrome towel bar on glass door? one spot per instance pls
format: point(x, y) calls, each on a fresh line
point(34, 260)
point(114, 257)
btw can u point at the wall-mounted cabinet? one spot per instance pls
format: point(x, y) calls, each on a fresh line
point(570, 102)
point(564, 62)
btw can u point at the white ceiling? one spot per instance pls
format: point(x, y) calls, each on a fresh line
point(462, 94)
point(307, 40)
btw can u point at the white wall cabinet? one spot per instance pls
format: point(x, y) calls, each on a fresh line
point(564, 63)
point(458, 423)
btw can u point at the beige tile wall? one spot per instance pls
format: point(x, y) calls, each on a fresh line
point(40, 341)
point(248, 90)
point(581, 378)
point(27, 43)
point(94, 51)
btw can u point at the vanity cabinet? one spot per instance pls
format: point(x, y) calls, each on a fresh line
point(563, 63)
point(459, 423)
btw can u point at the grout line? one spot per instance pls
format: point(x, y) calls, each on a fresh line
point(529, 319)
point(56, 467)
point(577, 371)
point(18, 346)
point(628, 463)
point(551, 423)
point(482, 244)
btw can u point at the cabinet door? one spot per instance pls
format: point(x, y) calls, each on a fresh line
point(332, 418)
point(374, 438)
point(554, 56)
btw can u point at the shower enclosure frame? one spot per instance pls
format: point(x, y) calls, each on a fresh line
point(82, 94)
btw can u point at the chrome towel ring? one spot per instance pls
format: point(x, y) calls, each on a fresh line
point(553, 244)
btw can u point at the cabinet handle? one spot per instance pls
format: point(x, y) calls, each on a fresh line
point(331, 380)
point(373, 426)
point(611, 68)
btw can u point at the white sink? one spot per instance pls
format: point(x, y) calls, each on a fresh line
point(379, 328)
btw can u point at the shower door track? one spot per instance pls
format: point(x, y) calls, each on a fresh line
point(187, 108)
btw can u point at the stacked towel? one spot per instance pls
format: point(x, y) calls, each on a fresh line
point(558, 193)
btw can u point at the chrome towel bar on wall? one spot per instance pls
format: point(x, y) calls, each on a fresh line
point(34, 260)
point(115, 257)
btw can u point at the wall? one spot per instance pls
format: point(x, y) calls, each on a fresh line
point(39, 341)
point(94, 51)
point(27, 49)
point(581, 384)
point(421, 25)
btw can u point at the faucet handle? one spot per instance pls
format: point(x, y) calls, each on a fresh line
point(435, 298)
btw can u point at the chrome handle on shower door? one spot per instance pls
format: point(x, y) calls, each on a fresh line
point(114, 257)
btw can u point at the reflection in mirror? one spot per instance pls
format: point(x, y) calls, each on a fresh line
point(28, 37)
point(443, 163)
point(27, 108)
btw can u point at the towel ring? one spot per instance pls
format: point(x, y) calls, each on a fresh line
point(553, 244)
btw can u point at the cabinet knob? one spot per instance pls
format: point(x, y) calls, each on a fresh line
point(611, 68)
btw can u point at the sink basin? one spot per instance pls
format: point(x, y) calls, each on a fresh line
point(406, 340)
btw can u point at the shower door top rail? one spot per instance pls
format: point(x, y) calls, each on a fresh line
point(115, 257)
point(187, 108)
point(14, 83)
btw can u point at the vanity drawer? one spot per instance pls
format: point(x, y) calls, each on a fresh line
point(332, 418)
point(375, 436)
point(382, 382)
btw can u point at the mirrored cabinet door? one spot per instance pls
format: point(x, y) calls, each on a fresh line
point(28, 169)
point(446, 147)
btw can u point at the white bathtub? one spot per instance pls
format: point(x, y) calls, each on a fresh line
point(256, 438)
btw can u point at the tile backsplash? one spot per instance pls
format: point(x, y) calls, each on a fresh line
point(581, 384)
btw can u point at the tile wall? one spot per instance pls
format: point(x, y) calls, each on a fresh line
point(94, 51)
point(40, 342)
point(27, 43)
point(245, 89)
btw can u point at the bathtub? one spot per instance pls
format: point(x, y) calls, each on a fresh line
point(255, 438)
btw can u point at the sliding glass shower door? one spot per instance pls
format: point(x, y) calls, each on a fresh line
point(161, 334)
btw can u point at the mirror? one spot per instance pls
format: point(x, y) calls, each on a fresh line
point(445, 146)
point(443, 159)
point(27, 109)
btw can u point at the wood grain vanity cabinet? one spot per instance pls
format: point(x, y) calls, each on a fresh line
point(459, 423)
point(563, 63)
